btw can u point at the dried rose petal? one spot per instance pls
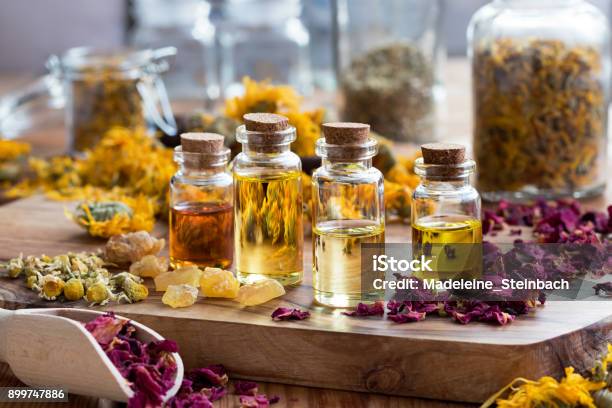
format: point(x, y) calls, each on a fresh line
point(407, 317)
point(605, 289)
point(105, 328)
point(207, 377)
point(285, 313)
point(149, 368)
point(257, 401)
point(245, 388)
point(363, 309)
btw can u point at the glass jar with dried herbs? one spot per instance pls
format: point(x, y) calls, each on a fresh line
point(541, 83)
point(201, 203)
point(388, 53)
point(108, 88)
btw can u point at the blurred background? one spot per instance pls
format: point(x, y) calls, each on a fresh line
point(209, 35)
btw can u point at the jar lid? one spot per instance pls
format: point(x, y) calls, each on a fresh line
point(82, 60)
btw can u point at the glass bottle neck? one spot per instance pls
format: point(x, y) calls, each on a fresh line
point(445, 184)
point(202, 172)
point(345, 165)
point(258, 150)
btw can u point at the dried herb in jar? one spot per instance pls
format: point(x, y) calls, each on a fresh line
point(540, 116)
point(391, 88)
point(102, 99)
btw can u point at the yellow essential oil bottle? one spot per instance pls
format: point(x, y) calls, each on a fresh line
point(348, 210)
point(446, 212)
point(201, 214)
point(268, 225)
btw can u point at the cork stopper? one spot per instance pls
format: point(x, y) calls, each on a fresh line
point(346, 133)
point(201, 149)
point(443, 153)
point(201, 142)
point(265, 122)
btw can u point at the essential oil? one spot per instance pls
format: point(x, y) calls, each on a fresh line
point(202, 234)
point(446, 226)
point(201, 204)
point(269, 238)
point(447, 229)
point(348, 211)
point(268, 221)
point(336, 253)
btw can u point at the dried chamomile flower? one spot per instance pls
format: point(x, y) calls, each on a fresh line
point(131, 247)
point(180, 296)
point(52, 287)
point(74, 289)
point(31, 282)
point(98, 293)
point(130, 287)
point(15, 267)
point(149, 266)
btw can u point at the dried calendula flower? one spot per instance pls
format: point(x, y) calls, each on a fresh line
point(52, 287)
point(108, 218)
point(74, 289)
point(540, 116)
point(180, 296)
point(150, 266)
point(12, 159)
point(131, 247)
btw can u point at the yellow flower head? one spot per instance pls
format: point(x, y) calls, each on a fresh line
point(115, 217)
point(262, 97)
point(11, 149)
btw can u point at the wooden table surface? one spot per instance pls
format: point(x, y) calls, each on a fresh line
point(454, 125)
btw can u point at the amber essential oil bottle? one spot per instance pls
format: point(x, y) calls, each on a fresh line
point(201, 203)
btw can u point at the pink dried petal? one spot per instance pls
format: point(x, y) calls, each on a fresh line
point(206, 377)
point(603, 289)
point(105, 328)
point(245, 388)
point(408, 317)
point(363, 309)
point(285, 313)
point(257, 401)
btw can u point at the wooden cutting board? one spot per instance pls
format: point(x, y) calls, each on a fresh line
point(436, 358)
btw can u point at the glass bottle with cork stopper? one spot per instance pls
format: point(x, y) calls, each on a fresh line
point(348, 210)
point(201, 203)
point(268, 201)
point(445, 206)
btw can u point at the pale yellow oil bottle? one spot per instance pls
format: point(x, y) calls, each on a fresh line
point(337, 271)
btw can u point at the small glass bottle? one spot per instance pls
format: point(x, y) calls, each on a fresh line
point(445, 206)
point(268, 206)
point(201, 203)
point(348, 210)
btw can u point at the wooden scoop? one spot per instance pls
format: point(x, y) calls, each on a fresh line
point(52, 348)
